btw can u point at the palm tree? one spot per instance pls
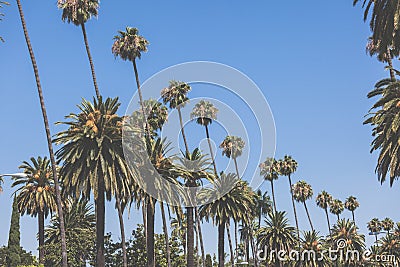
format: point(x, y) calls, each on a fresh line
point(276, 235)
point(336, 207)
point(48, 135)
point(2, 4)
point(351, 204)
point(235, 204)
point(205, 112)
point(312, 241)
point(96, 130)
point(269, 169)
point(387, 225)
point(175, 95)
point(375, 227)
point(302, 191)
point(346, 230)
point(323, 200)
point(35, 195)
point(384, 23)
point(232, 147)
point(129, 45)
point(262, 206)
point(287, 167)
point(79, 12)
point(80, 223)
point(247, 235)
point(385, 121)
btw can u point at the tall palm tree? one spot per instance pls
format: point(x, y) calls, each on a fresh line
point(385, 121)
point(248, 232)
point(262, 205)
point(236, 204)
point(48, 135)
point(35, 195)
point(175, 95)
point(269, 169)
point(287, 167)
point(375, 227)
point(346, 230)
point(2, 4)
point(276, 235)
point(96, 130)
point(351, 204)
point(336, 207)
point(79, 12)
point(205, 112)
point(323, 200)
point(232, 147)
point(129, 46)
point(387, 225)
point(302, 191)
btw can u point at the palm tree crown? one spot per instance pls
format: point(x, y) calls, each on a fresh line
point(302, 191)
point(78, 11)
point(387, 224)
point(374, 225)
point(324, 199)
point(351, 203)
point(336, 207)
point(204, 112)
point(176, 94)
point(129, 45)
point(232, 146)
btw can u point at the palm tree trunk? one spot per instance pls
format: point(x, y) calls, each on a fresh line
point(236, 167)
point(96, 88)
point(190, 237)
point(390, 63)
point(236, 239)
point(230, 245)
point(294, 210)
point(211, 152)
point(140, 97)
point(183, 130)
point(354, 220)
point(308, 215)
point(327, 219)
point(121, 227)
point(253, 251)
point(165, 229)
point(41, 236)
point(144, 215)
point(338, 217)
point(203, 256)
point(100, 222)
point(221, 245)
point(151, 261)
point(48, 136)
point(273, 194)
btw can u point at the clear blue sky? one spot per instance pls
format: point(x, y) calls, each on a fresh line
point(308, 57)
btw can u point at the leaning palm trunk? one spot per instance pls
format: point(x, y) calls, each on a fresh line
point(203, 257)
point(211, 152)
point(294, 211)
point(273, 194)
point(100, 222)
point(41, 236)
point(327, 219)
point(96, 88)
point(165, 229)
point(122, 227)
point(48, 136)
point(308, 215)
point(230, 245)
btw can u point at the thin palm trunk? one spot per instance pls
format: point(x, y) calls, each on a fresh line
point(230, 245)
point(48, 136)
point(273, 194)
point(196, 243)
point(211, 151)
point(308, 215)
point(338, 217)
point(183, 130)
point(144, 217)
point(327, 219)
point(294, 211)
point(352, 214)
point(236, 239)
point(376, 238)
point(253, 251)
point(203, 256)
point(100, 222)
point(41, 236)
point(190, 237)
point(151, 261)
point(247, 251)
point(122, 227)
point(221, 245)
point(96, 88)
point(165, 229)
point(390, 63)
